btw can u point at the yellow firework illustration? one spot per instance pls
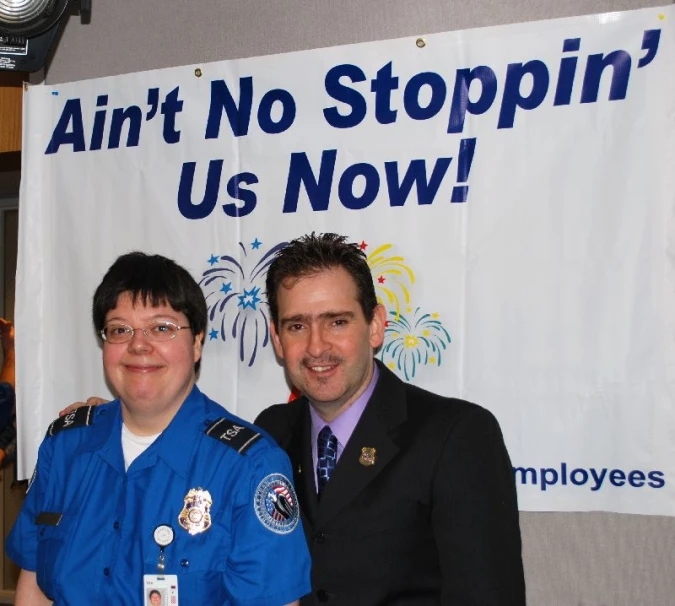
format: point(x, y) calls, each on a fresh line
point(392, 278)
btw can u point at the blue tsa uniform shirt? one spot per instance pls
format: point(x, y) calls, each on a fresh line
point(87, 527)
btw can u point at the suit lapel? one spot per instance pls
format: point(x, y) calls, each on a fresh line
point(384, 412)
point(300, 453)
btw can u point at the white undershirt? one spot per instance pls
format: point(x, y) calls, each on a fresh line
point(133, 445)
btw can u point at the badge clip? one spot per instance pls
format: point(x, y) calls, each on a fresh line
point(163, 536)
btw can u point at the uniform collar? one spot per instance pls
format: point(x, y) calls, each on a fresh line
point(176, 442)
point(174, 445)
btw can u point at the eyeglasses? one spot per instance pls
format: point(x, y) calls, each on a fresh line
point(155, 331)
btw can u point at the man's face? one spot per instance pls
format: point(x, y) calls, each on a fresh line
point(324, 339)
point(155, 599)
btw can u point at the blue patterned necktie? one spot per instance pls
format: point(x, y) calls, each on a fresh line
point(326, 452)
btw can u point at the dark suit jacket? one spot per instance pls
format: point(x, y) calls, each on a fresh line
point(433, 521)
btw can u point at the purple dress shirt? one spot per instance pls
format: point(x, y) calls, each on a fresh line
point(343, 425)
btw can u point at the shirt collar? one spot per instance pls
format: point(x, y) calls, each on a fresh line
point(343, 425)
point(174, 445)
point(176, 442)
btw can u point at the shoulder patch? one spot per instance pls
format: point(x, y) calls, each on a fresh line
point(81, 417)
point(276, 504)
point(235, 436)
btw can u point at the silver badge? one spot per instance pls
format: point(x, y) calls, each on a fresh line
point(195, 516)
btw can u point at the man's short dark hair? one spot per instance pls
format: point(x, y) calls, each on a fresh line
point(151, 280)
point(154, 592)
point(311, 254)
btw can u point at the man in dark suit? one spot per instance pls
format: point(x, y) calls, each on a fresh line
point(407, 497)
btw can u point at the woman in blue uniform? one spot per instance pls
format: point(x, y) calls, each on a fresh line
point(161, 488)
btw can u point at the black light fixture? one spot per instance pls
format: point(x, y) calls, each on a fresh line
point(27, 30)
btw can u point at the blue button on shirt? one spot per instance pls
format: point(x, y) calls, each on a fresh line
point(104, 542)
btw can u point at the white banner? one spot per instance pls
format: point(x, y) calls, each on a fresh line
point(511, 186)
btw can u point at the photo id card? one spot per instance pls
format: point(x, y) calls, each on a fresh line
point(160, 590)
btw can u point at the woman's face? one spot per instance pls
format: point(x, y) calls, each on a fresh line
point(152, 379)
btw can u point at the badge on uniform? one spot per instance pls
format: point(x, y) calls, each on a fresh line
point(195, 517)
point(276, 504)
point(367, 457)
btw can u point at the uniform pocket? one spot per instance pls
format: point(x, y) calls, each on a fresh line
point(200, 562)
point(51, 538)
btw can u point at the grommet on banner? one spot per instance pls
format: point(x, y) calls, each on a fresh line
point(420, 43)
point(198, 73)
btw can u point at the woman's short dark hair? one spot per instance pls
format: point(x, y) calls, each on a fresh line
point(311, 254)
point(151, 280)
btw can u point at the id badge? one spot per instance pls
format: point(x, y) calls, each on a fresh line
point(160, 590)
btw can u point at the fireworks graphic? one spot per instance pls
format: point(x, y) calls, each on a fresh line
point(420, 340)
point(237, 310)
point(233, 289)
point(392, 277)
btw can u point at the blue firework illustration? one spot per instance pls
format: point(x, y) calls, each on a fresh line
point(234, 291)
point(410, 342)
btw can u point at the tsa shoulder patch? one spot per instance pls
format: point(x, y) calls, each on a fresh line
point(276, 504)
point(80, 417)
point(235, 436)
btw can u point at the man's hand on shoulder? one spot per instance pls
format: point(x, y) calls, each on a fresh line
point(91, 401)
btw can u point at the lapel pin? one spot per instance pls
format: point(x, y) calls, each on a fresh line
point(367, 457)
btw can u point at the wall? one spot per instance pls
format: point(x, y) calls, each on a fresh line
point(570, 559)
point(11, 85)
